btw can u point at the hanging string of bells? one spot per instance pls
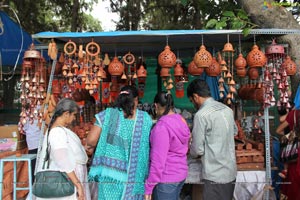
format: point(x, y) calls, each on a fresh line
point(32, 86)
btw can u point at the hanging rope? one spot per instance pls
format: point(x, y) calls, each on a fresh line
point(22, 42)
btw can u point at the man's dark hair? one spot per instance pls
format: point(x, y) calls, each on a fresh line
point(199, 87)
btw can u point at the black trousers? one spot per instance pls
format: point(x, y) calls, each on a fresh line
point(220, 191)
point(33, 161)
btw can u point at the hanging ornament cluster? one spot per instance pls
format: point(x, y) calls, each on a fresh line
point(179, 74)
point(82, 69)
point(240, 63)
point(279, 67)
point(33, 87)
point(228, 53)
point(167, 60)
point(141, 76)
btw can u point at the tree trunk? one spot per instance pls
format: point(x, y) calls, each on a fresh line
point(272, 15)
point(75, 10)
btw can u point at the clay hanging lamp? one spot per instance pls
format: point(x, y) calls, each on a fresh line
point(256, 58)
point(141, 75)
point(167, 58)
point(31, 53)
point(115, 67)
point(194, 70)
point(214, 69)
point(178, 71)
point(274, 48)
point(240, 62)
point(290, 66)
point(202, 57)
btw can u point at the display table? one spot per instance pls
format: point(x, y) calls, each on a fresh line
point(248, 183)
point(22, 176)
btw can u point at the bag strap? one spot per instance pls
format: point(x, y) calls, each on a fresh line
point(294, 119)
point(48, 149)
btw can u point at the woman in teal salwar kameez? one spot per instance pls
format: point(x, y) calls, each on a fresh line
point(121, 158)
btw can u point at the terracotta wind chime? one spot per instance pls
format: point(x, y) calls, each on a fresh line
point(33, 87)
point(279, 67)
point(167, 59)
point(228, 53)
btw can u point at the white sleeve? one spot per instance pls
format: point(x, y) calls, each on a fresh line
point(61, 153)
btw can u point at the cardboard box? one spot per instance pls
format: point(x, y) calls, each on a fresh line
point(11, 131)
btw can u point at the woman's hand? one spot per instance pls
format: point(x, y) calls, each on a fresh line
point(148, 196)
point(80, 192)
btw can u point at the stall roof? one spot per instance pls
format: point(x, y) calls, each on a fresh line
point(151, 43)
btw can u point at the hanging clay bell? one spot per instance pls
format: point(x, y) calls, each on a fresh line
point(164, 72)
point(178, 71)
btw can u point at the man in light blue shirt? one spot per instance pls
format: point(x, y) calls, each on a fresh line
point(213, 139)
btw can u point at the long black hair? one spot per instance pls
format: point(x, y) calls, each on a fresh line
point(125, 100)
point(165, 99)
point(64, 105)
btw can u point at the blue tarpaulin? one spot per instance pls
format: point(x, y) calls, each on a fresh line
point(297, 98)
point(13, 41)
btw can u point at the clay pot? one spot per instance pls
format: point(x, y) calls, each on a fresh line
point(241, 72)
point(259, 95)
point(253, 73)
point(167, 58)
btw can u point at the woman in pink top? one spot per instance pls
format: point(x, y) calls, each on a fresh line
point(169, 141)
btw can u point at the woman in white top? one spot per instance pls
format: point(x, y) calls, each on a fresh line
point(66, 153)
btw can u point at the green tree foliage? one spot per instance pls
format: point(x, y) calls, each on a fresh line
point(170, 14)
point(54, 15)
